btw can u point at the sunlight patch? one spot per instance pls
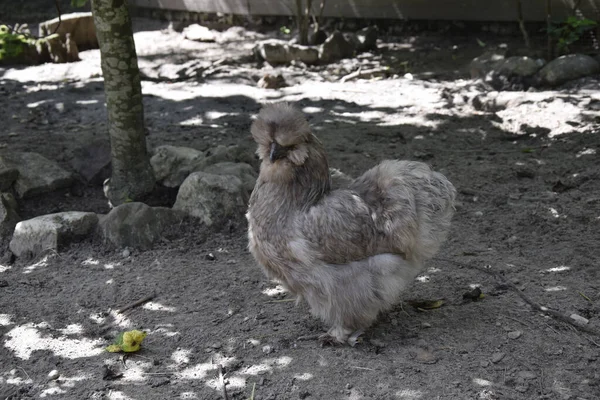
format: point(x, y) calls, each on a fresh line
point(86, 102)
point(586, 152)
point(25, 339)
point(423, 279)
point(116, 395)
point(199, 371)
point(409, 394)
point(52, 391)
point(553, 211)
point(482, 382)
point(558, 269)
point(90, 261)
point(42, 263)
point(181, 356)
point(5, 320)
point(121, 320)
point(304, 377)
point(272, 292)
point(98, 318)
point(312, 110)
point(36, 104)
point(136, 370)
point(555, 289)
point(194, 121)
point(188, 395)
point(233, 382)
point(72, 329)
point(4, 268)
point(151, 305)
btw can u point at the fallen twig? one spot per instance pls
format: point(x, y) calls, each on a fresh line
point(308, 337)
point(364, 73)
point(222, 382)
point(137, 303)
point(545, 310)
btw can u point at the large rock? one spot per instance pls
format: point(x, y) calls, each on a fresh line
point(367, 38)
point(281, 52)
point(233, 153)
point(8, 175)
point(243, 171)
point(92, 161)
point(79, 25)
point(485, 63)
point(519, 66)
point(51, 232)
point(566, 68)
point(8, 214)
point(199, 33)
point(212, 198)
point(137, 225)
point(172, 164)
point(335, 48)
point(37, 174)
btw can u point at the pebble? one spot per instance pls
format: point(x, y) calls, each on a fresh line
point(478, 214)
point(514, 334)
point(211, 257)
point(497, 357)
point(267, 349)
point(126, 253)
point(579, 319)
point(527, 375)
point(53, 375)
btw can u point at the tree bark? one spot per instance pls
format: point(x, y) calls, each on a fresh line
point(132, 176)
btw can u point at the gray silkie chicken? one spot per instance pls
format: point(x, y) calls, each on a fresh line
point(350, 252)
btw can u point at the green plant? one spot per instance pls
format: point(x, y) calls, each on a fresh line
point(570, 31)
point(13, 45)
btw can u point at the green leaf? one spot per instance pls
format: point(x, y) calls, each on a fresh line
point(78, 3)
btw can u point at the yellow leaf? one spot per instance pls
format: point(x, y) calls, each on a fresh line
point(427, 304)
point(132, 340)
point(113, 348)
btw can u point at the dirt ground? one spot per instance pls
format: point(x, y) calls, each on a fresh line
point(529, 207)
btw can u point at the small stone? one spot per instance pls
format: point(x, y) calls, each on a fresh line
point(3, 283)
point(478, 213)
point(53, 375)
point(579, 319)
point(126, 253)
point(267, 349)
point(303, 394)
point(527, 375)
point(484, 363)
point(426, 325)
point(512, 239)
point(215, 345)
point(514, 334)
point(210, 257)
point(497, 357)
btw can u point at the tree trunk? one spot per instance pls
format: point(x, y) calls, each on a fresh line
point(303, 19)
point(132, 176)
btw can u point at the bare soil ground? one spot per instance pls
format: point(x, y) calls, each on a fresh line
point(529, 207)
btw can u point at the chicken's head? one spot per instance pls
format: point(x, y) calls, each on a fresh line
point(282, 134)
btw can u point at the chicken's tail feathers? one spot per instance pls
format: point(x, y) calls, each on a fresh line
point(412, 206)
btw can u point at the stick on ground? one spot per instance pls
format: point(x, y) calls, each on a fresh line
point(552, 313)
point(137, 303)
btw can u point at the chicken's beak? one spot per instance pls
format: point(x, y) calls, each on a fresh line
point(277, 152)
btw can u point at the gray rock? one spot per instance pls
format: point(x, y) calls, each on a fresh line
point(282, 52)
point(79, 25)
point(566, 68)
point(367, 38)
point(514, 334)
point(8, 175)
point(212, 198)
point(243, 171)
point(308, 55)
point(173, 164)
point(233, 153)
point(519, 66)
point(37, 174)
point(335, 48)
point(51, 232)
point(92, 161)
point(137, 225)
point(485, 63)
point(199, 33)
point(8, 214)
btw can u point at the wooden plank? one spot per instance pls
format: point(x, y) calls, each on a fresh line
point(460, 10)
